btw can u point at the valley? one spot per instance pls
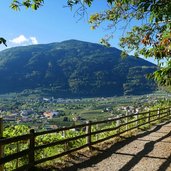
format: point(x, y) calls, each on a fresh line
point(44, 113)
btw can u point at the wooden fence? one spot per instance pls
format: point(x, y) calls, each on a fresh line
point(113, 127)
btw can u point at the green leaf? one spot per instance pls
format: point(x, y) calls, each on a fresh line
point(3, 41)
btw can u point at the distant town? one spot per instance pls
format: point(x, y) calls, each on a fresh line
point(50, 113)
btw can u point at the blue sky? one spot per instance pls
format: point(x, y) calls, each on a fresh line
point(51, 23)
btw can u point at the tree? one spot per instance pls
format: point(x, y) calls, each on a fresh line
point(152, 38)
point(16, 4)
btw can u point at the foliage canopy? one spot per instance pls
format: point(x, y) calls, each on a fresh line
point(151, 38)
point(150, 34)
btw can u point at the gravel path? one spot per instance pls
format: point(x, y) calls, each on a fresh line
point(148, 151)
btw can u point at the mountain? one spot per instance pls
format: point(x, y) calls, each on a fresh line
point(73, 69)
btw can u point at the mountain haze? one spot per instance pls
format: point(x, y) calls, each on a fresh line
point(73, 69)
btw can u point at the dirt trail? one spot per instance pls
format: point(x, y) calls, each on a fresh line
point(148, 151)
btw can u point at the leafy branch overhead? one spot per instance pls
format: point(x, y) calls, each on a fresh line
point(17, 4)
point(150, 34)
point(3, 41)
point(34, 4)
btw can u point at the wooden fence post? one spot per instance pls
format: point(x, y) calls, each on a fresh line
point(88, 131)
point(64, 135)
point(168, 113)
point(17, 161)
point(97, 128)
point(126, 120)
point(31, 149)
point(136, 117)
point(158, 113)
point(149, 118)
point(118, 124)
point(1, 146)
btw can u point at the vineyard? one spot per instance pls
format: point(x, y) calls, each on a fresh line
point(19, 152)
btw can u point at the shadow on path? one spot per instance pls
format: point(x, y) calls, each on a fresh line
point(166, 164)
point(147, 149)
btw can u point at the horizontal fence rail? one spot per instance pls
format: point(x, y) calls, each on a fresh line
point(85, 135)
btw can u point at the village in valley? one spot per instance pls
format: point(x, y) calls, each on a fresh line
point(50, 113)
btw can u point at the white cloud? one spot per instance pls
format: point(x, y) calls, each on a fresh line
point(22, 40)
point(34, 40)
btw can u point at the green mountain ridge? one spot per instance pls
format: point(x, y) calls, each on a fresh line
point(74, 69)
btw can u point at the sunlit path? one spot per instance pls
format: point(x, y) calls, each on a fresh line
point(148, 151)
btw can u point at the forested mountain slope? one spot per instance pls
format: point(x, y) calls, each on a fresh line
point(73, 69)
